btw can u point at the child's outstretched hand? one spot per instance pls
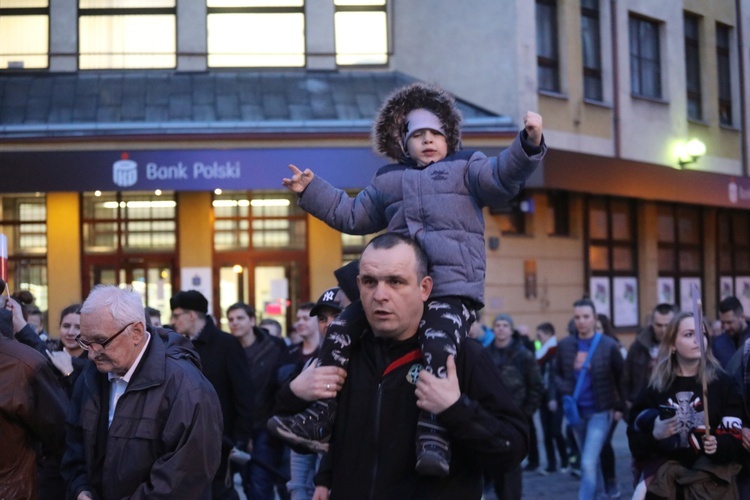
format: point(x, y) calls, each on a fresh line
point(532, 122)
point(299, 180)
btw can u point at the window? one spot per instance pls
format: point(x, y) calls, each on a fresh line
point(680, 249)
point(24, 34)
point(23, 221)
point(547, 57)
point(258, 220)
point(612, 257)
point(734, 243)
point(645, 63)
point(693, 67)
point(592, 57)
point(724, 74)
point(128, 222)
point(558, 213)
point(361, 32)
point(256, 33)
point(127, 34)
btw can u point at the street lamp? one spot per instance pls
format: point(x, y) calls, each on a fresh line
point(689, 152)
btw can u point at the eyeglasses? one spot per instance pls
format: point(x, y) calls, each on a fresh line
point(88, 345)
point(176, 315)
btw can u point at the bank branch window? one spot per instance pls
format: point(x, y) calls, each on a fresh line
point(258, 220)
point(24, 34)
point(256, 33)
point(127, 34)
point(23, 222)
point(680, 253)
point(129, 222)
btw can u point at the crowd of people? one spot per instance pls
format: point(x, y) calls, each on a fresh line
point(392, 387)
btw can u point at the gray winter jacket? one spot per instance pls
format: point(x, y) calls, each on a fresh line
point(439, 206)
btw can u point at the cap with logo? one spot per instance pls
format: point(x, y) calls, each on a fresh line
point(330, 298)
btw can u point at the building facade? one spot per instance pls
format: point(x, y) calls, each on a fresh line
point(143, 143)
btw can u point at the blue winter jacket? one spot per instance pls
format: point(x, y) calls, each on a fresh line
point(439, 206)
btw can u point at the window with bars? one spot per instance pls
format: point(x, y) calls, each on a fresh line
point(129, 222)
point(256, 33)
point(258, 220)
point(680, 247)
point(127, 34)
point(547, 57)
point(361, 32)
point(724, 73)
point(592, 57)
point(693, 67)
point(24, 34)
point(611, 243)
point(645, 58)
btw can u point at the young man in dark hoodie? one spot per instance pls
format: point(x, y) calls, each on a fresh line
point(433, 193)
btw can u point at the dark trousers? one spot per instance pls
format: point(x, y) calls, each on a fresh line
point(552, 429)
point(508, 486)
point(258, 481)
point(445, 323)
point(533, 443)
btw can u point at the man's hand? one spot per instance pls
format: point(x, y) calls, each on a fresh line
point(552, 405)
point(85, 495)
point(321, 493)
point(434, 394)
point(300, 179)
point(746, 438)
point(532, 122)
point(665, 428)
point(318, 382)
point(15, 308)
point(617, 416)
point(709, 444)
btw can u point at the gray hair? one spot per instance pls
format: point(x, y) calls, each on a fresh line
point(125, 306)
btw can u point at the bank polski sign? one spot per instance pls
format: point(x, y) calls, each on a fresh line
point(125, 171)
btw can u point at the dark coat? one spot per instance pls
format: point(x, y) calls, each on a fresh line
point(225, 366)
point(605, 369)
point(520, 374)
point(263, 359)
point(638, 364)
point(725, 345)
point(373, 444)
point(32, 412)
point(165, 437)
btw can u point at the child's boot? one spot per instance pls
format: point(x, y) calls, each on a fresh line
point(307, 431)
point(433, 447)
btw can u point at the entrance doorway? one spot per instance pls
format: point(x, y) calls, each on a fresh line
point(151, 276)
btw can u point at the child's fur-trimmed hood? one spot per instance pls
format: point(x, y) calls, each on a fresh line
point(390, 122)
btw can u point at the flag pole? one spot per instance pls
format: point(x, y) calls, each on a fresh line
point(700, 334)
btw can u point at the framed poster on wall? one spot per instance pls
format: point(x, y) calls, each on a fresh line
point(600, 293)
point(625, 301)
point(665, 292)
point(726, 287)
point(686, 298)
point(742, 291)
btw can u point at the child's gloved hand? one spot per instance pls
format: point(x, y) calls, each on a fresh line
point(300, 179)
point(532, 122)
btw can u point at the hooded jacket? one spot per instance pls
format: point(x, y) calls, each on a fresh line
point(166, 433)
point(438, 205)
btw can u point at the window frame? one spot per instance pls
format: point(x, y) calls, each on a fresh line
point(364, 8)
point(23, 12)
point(724, 74)
point(638, 74)
point(592, 73)
point(693, 84)
point(548, 62)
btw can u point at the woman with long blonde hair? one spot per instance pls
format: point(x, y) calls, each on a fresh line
point(667, 421)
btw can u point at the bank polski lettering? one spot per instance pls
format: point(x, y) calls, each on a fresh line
point(199, 170)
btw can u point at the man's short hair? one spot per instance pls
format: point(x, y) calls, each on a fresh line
point(190, 300)
point(124, 305)
point(584, 302)
point(547, 328)
point(150, 311)
point(249, 310)
point(390, 240)
point(306, 306)
point(664, 309)
point(731, 303)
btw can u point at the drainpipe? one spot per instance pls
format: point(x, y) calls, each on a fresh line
point(616, 80)
point(743, 90)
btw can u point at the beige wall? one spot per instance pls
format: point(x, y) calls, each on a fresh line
point(63, 254)
point(324, 251)
point(195, 246)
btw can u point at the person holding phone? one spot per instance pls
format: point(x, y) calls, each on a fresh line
point(667, 428)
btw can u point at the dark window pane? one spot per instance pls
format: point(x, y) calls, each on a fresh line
point(690, 260)
point(598, 258)
point(597, 220)
point(622, 259)
point(666, 259)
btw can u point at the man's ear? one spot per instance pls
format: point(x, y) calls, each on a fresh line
point(138, 332)
point(425, 287)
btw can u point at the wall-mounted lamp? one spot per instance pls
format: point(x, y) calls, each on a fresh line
point(689, 152)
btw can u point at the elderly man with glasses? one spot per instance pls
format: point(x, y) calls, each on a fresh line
point(143, 421)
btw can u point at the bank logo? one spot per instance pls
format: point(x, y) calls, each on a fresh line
point(125, 172)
